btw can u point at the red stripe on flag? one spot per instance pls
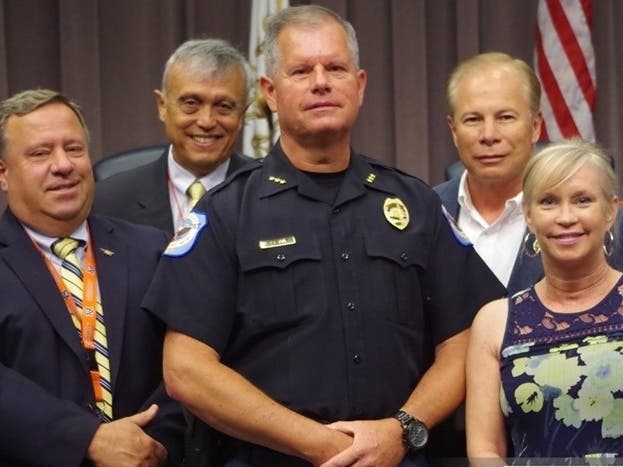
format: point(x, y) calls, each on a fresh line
point(561, 112)
point(569, 43)
point(588, 12)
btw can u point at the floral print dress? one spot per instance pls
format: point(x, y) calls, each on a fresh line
point(562, 379)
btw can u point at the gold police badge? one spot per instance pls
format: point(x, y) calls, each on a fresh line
point(396, 213)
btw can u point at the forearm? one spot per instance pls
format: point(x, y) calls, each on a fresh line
point(486, 434)
point(442, 388)
point(229, 403)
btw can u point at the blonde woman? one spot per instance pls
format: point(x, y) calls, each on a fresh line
point(547, 363)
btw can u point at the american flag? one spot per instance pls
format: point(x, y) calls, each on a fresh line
point(565, 63)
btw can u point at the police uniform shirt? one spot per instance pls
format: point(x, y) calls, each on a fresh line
point(332, 307)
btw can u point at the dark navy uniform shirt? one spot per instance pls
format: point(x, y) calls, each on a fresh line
point(330, 306)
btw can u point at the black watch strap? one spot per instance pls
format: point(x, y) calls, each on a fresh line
point(414, 431)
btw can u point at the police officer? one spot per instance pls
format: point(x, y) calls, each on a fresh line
point(318, 303)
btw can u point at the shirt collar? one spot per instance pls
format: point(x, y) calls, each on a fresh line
point(182, 178)
point(465, 200)
point(281, 175)
point(45, 242)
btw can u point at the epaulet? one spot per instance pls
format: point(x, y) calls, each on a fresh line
point(242, 172)
point(385, 166)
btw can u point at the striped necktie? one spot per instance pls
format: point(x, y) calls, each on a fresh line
point(195, 191)
point(71, 273)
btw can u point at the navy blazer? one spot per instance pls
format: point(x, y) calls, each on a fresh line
point(526, 270)
point(141, 195)
point(45, 390)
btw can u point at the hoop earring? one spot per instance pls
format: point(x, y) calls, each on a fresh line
point(531, 250)
point(609, 243)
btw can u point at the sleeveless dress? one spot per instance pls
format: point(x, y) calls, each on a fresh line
point(562, 380)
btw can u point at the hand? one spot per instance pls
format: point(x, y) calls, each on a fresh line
point(123, 443)
point(377, 443)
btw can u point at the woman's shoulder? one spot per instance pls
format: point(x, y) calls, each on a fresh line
point(490, 322)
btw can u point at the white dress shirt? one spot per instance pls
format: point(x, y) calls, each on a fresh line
point(497, 243)
point(180, 179)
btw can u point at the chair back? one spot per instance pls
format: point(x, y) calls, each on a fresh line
point(126, 160)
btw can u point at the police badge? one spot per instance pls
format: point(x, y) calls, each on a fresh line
point(396, 213)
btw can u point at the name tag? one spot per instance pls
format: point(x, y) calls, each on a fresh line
point(275, 242)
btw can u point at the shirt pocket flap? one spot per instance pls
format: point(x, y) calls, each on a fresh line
point(405, 250)
point(279, 253)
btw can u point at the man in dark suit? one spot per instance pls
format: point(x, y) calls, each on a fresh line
point(80, 361)
point(204, 94)
point(495, 120)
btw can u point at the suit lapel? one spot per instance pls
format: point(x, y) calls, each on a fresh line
point(23, 258)
point(527, 270)
point(111, 260)
point(152, 196)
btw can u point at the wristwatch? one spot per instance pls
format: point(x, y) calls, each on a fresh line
point(414, 432)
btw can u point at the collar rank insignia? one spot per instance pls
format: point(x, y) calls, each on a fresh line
point(396, 213)
point(371, 177)
point(278, 180)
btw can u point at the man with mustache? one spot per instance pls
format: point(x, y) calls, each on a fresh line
point(204, 95)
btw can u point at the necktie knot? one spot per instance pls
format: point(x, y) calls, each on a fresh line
point(64, 246)
point(195, 191)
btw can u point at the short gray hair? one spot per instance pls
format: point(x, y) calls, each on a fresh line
point(210, 57)
point(28, 101)
point(307, 16)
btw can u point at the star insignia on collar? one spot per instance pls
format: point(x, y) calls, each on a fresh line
point(278, 180)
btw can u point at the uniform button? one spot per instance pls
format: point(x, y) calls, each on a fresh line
point(357, 359)
point(336, 210)
point(281, 257)
point(345, 256)
point(404, 256)
point(350, 306)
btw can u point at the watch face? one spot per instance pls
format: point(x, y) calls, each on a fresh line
point(417, 435)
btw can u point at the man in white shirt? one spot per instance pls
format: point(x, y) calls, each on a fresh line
point(493, 101)
point(204, 95)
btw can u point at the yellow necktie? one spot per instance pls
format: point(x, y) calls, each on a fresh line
point(71, 272)
point(195, 191)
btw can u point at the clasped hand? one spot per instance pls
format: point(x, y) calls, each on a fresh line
point(123, 443)
point(376, 443)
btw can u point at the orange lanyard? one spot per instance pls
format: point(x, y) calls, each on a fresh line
point(173, 191)
point(88, 317)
